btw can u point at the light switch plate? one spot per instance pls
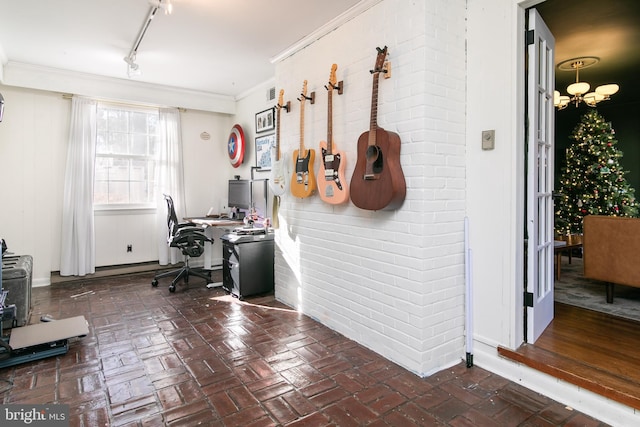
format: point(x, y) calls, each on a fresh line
point(488, 139)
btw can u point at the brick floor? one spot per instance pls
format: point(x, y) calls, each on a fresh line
point(201, 357)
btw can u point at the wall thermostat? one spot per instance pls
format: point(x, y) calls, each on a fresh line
point(488, 139)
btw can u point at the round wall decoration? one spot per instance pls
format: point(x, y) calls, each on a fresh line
point(236, 145)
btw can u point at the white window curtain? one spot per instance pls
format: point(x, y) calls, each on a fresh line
point(169, 179)
point(78, 242)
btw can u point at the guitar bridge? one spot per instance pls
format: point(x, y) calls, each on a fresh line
point(302, 178)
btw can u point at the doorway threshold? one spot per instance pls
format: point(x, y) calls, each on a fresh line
point(592, 350)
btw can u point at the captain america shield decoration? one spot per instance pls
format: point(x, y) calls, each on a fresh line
point(235, 146)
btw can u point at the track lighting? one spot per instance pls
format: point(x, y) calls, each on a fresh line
point(133, 68)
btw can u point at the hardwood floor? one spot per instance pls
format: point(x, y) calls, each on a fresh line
point(593, 350)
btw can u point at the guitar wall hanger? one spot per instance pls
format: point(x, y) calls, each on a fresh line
point(385, 70)
point(338, 86)
point(311, 98)
point(286, 107)
point(386, 65)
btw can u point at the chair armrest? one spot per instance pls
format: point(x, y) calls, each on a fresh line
point(189, 238)
point(188, 226)
point(195, 232)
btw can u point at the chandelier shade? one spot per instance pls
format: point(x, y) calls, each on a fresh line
point(579, 91)
point(607, 90)
point(578, 88)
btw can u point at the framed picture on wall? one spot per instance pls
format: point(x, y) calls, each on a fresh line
point(265, 120)
point(263, 150)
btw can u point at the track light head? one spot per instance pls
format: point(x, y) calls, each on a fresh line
point(162, 4)
point(133, 69)
point(131, 61)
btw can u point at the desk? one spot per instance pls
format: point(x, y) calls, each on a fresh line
point(565, 243)
point(209, 223)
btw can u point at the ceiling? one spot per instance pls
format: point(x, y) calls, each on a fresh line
point(609, 30)
point(225, 47)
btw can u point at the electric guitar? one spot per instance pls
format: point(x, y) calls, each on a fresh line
point(303, 181)
point(332, 186)
point(378, 181)
point(278, 179)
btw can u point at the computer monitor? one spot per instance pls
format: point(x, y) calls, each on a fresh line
point(239, 194)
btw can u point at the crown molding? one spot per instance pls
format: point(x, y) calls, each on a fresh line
point(330, 26)
point(57, 80)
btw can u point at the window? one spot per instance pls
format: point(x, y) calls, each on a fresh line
point(126, 153)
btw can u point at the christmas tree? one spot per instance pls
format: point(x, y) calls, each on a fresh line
point(593, 181)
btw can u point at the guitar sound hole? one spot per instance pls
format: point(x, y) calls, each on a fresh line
point(374, 158)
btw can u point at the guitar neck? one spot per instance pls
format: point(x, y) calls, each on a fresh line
point(330, 122)
point(301, 151)
point(374, 110)
point(279, 107)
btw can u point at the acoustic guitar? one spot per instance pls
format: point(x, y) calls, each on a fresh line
point(303, 181)
point(278, 178)
point(378, 182)
point(332, 186)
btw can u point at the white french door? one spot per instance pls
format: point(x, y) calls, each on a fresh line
point(540, 210)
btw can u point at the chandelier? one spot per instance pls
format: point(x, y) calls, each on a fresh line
point(579, 91)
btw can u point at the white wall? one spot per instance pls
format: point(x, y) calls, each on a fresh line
point(206, 163)
point(495, 178)
point(33, 151)
point(247, 106)
point(392, 281)
point(33, 141)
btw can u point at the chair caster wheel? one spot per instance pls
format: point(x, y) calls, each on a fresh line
point(172, 288)
point(154, 283)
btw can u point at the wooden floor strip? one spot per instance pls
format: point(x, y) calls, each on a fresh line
point(595, 351)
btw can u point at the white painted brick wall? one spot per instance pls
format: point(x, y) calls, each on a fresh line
point(393, 281)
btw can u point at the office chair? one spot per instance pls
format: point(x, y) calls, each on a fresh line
point(190, 239)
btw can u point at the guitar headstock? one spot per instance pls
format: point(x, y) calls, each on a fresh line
point(281, 99)
point(379, 66)
point(304, 97)
point(332, 76)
